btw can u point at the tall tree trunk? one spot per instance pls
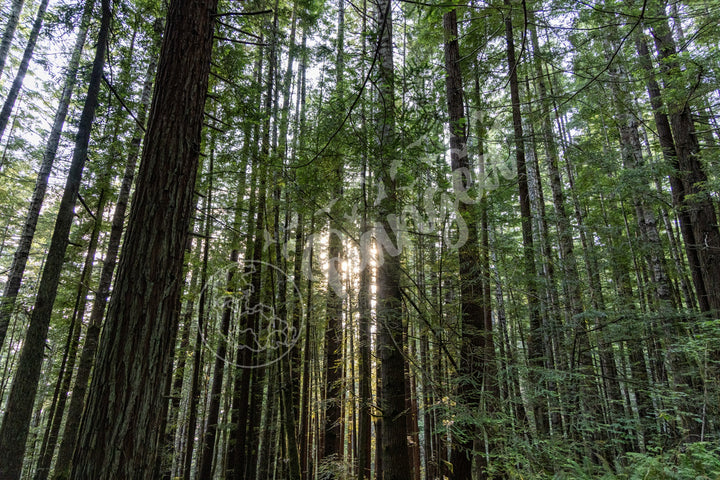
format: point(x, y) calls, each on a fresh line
point(394, 450)
point(230, 307)
point(64, 379)
point(364, 459)
point(364, 358)
point(22, 69)
point(87, 358)
point(248, 390)
point(333, 443)
point(9, 31)
point(246, 380)
point(241, 382)
point(287, 380)
point(118, 436)
point(238, 413)
point(259, 360)
point(307, 358)
point(678, 186)
point(101, 293)
point(267, 425)
point(17, 268)
point(535, 345)
point(293, 452)
point(571, 278)
point(477, 350)
point(200, 334)
point(18, 413)
point(698, 202)
point(299, 142)
point(632, 158)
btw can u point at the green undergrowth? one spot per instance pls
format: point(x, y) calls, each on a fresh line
point(693, 461)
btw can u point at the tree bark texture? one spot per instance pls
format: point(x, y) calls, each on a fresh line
point(120, 428)
point(87, 357)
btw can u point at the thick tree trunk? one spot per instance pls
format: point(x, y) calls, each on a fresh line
point(17, 268)
point(87, 358)
point(125, 408)
point(22, 69)
point(18, 413)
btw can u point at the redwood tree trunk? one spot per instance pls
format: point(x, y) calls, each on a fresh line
point(125, 408)
point(87, 358)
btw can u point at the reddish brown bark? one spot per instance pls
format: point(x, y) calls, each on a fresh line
point(125, 408)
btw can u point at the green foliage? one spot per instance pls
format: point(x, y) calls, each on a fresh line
point(694, 461)
point(699, 461)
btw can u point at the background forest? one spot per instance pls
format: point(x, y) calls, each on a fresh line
point(352, 239)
